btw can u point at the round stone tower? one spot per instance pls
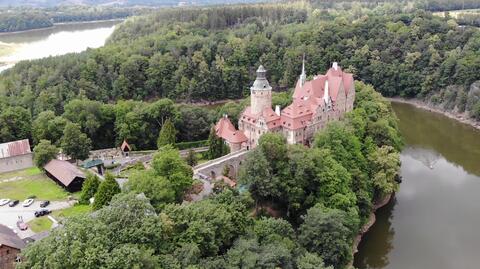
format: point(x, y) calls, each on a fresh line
point(260, 92)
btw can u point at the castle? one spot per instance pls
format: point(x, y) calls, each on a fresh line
point(316, 102)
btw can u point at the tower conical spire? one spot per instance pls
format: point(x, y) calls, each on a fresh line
point(303, 76)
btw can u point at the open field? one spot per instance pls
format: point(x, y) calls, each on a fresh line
point(6, 49)
point(30, 182)
point(455, 13)
point(72, 211)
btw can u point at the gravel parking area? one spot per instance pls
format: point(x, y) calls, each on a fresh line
point(9, 215)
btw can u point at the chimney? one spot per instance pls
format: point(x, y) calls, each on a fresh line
point(277, 110)
point(335, 65)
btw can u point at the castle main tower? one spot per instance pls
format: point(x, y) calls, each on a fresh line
point(260, 92)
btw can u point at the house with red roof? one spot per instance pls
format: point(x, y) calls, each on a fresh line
point(15, 155)
point(315, 102)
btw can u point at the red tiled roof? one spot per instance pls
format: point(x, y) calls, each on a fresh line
point(15, 148)
point(63, 171)
point(225, 129)
point(309, 97)
point(316, 87)
point(347, 82)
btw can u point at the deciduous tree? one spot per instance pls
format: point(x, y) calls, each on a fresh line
point(44, 152)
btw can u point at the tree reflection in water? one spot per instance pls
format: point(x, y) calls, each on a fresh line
point(426, 156)
point(377, 243)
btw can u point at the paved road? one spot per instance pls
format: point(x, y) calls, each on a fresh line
point(9, 215)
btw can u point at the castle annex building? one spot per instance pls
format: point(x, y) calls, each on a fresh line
point(316, 102)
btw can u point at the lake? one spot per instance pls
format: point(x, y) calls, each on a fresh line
point(432, 222)
point(58, 40)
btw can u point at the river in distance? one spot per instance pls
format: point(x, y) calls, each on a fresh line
point(58, 40)
point(433, 221)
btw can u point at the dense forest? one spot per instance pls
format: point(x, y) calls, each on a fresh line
point(319, 197)
point(212, 53)
point(20, 19)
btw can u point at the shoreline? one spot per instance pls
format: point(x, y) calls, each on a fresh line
point(371, 221)
point(452, 115)
point(59, 23)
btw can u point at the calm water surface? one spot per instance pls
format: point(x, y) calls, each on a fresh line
point(58, 40)
point(434, 219)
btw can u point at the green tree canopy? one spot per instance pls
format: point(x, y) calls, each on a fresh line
point(75, 143)
point(167, 134)
point(44, 152)
point(106, 190)
point(89, 188)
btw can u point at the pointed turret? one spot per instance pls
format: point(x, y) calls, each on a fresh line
point(303, 76)
point(261, 82)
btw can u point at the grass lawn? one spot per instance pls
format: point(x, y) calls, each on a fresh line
point(21, 173)
point(30, 182)
point(72, 211)
point(40, 224)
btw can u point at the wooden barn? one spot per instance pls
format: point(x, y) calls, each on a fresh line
point(65, 174)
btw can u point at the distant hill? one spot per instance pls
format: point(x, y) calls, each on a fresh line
point(51, 3)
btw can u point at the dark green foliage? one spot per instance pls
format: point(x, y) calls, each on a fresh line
point(210, 224)
point(157, 188)
point(124, 234)
point(89, 188)
point(106, 190)
point(192, 159)
point(75, 143)
point(15, 124)
point(167, 163)
point(311, 261)
point(49, 127)
point(44, 152)
point(167, 134)
point(328, 232)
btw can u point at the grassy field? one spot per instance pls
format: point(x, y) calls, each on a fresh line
point(40, 224)
point(6, 49)
point(30, 182)
point(72, 211)
point(455, 13)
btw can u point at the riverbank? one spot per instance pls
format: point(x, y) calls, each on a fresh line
point(420, 104)
point(369, 224)
point(58, 24)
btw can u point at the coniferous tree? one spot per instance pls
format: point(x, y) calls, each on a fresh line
point(75, 143)
point(216, 146)
point(192, 158)
point(167, 134)
point(89, 188)
point(107, 189)
point(44, 152)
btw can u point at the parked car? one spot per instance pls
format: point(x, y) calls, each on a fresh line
point(4, 202)
point(22, 225)
point(42, 212)
point(13, 203)
point(28, 202)
point(44, 203)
